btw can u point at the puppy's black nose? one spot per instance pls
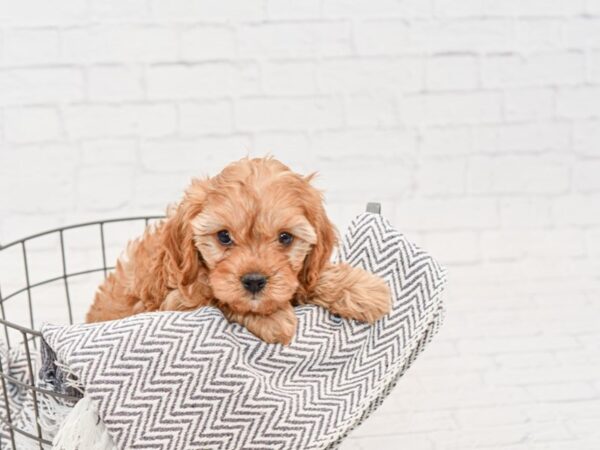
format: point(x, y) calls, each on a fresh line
point(254, 282)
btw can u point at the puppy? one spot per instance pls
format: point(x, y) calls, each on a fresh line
point(253, 241)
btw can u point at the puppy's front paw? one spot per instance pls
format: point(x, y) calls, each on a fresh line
point(358, 294)
point(379, 303)
point(276, 328)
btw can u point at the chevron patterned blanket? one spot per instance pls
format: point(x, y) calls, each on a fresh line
point(192, 380)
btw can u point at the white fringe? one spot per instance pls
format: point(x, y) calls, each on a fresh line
point(71, 379)
point(82, 429)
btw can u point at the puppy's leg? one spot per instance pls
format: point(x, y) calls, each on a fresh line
point(176, 301)
point(114, 299)
point(278, 327)
point(352, 293)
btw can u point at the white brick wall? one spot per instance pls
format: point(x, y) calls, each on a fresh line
point(476, 123)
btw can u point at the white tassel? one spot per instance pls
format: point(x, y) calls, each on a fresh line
point(82, 429)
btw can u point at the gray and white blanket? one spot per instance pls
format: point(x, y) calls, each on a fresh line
point(193, 380)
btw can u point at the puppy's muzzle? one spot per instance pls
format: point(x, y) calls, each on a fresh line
point(254, 282)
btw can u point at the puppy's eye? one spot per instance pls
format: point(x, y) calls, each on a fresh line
point(224, 237)
point(285, 238)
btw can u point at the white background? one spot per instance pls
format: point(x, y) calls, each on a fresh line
point(476, 123)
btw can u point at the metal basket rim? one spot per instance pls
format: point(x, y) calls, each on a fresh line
point(78, 225)
point(102, 222)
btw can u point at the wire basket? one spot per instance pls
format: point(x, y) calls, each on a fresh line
point(50, 277)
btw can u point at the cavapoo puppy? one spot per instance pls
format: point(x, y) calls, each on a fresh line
point(253, 241)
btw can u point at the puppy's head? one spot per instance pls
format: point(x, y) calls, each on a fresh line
point(261, 232)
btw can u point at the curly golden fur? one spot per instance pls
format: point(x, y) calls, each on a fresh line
point(276, 229)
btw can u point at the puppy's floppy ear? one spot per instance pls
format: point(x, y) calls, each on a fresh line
point(181, 258)
point(320, 252)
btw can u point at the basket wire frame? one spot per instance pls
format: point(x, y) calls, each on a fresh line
point(29, 336)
